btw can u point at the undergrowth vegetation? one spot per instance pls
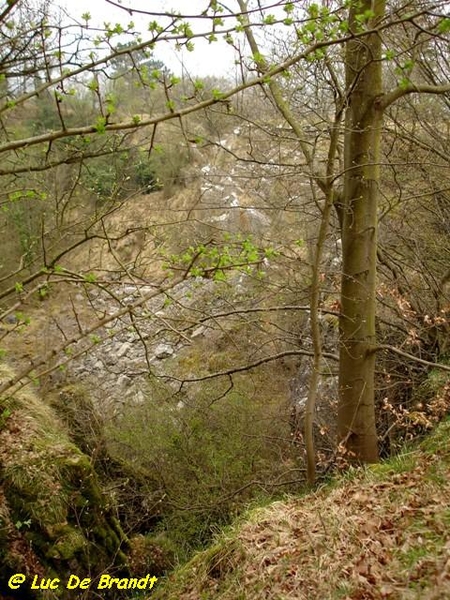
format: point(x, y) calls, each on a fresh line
point(207, 455)
point(374, 533)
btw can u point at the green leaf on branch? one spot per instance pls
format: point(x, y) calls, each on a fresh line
point(22, 318)
point(93, 85)
point(270, 20)
point(219, 275)
point(313, 11)
point(444, 25)
point(153, 26)
point(217, 94)
point(258, 57)
point(100, 125)
point(404, 83)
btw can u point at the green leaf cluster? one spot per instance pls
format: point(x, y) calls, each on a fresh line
point(216, 261)
point(321, 24)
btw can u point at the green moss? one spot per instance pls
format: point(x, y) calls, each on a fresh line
point(50, 484)
point(75, 408)
point(70, 542)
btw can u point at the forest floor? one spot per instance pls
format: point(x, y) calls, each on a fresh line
point(382, 532)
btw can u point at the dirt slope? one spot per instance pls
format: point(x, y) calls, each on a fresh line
point(377, 533)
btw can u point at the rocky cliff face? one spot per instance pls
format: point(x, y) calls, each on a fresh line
point(247, 184)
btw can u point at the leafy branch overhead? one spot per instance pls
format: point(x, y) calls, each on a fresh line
point(275, 235)
point(212, 260)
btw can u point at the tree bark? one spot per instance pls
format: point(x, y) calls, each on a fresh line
point(356, 410)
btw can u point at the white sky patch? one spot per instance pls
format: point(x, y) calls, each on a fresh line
point(207, 59)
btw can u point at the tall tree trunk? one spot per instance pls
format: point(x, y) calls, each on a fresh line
point(356, 411)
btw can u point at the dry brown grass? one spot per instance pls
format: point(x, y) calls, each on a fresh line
point(382, 532)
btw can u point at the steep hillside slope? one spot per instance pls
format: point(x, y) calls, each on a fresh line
point(381, 532)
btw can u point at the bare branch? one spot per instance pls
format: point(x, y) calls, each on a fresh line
point(411, 88)
point(416, 359)
point(250, 366)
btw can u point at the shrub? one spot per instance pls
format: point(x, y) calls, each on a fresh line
point(205, 464)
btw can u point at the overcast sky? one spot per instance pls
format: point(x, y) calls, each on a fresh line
point(207, 59)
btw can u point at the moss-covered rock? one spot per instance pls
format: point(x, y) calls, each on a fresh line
point(128, 484)
point(54, 517)
point(76, 410)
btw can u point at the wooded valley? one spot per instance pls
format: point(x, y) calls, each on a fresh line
point(218, 289)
